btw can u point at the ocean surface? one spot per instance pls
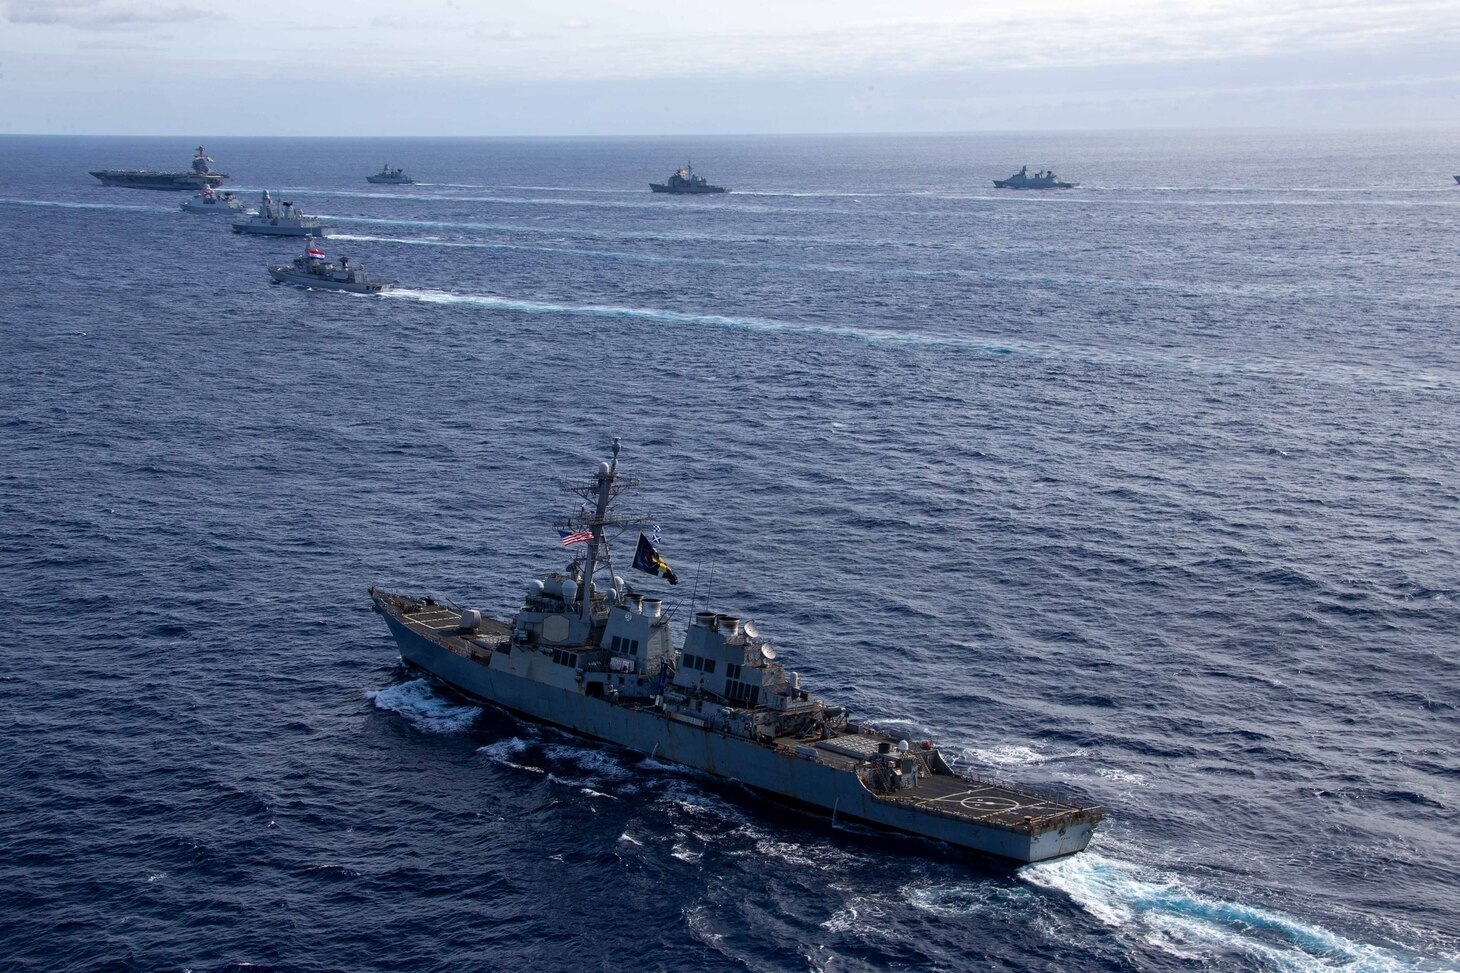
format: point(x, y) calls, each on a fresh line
point(1149, 488)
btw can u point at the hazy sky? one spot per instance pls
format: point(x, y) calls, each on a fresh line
point(578, 67)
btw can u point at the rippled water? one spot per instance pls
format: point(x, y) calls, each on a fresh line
point(1148, 488)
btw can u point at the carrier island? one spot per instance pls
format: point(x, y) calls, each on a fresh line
point(589, 654)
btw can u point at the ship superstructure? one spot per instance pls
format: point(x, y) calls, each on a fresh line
point(275, 218)
point(588, 653)
point(208, 202)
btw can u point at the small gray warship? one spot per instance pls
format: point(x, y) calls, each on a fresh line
point(202, 175)
point(313, 270)
point(1040, 180)
point(280, 219)
point(391, 177)
point(589, 654)
point(685, 181)
point(211, 203)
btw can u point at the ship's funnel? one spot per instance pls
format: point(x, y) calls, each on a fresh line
point(652, 606)
point(705, 619)
point(729, 625)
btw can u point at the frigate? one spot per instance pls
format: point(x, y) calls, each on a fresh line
point(313, 270)
point(588, 653)
point(211, 203)
point(276, 218)
point(685, 181)
point(201, 175)
point(1040, 180)
point(391, 177)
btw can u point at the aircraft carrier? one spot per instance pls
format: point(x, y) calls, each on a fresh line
point(199, 176)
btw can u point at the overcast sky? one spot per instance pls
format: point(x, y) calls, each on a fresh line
point(578, 67)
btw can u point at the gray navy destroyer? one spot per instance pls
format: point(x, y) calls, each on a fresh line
point(1040, 180)
point(391, 177)
point(686, 182)
point(201, 176)
point(280, 219)
point(313, 270)
point(211, 203)
point(589, 654)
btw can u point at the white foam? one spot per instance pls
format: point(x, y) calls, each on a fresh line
point(843, 920)
point(1164, 912)
point(599, 764)
point(503, 751)
point(427, 711)
point(1009, 755)
point(957, 900)
point(685, 855)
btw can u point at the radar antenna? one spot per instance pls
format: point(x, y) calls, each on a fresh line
point(594, 516)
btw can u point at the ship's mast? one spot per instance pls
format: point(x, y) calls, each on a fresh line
point(601, 493)
point(607, 473)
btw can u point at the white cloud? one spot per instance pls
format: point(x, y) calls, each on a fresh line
point(100, 14)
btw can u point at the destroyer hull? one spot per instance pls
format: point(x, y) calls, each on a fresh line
point(1006, 184)
point(271, 230)
point(783, 771)
point(699, 191)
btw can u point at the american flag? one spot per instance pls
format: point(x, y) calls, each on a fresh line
point(571, 537)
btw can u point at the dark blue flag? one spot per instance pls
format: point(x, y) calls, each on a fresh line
point(647, 559)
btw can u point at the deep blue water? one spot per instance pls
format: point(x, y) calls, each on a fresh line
point(1148, 488)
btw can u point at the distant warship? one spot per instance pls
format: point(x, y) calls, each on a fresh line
point(588, 653)
point(391, 177)
point(313, 270)
point(685, 181)
point(201, 175)
point(213, 203)
point(1040, 180)
point(280, 219)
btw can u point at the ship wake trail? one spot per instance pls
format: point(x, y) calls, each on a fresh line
point(1163, 911)
point(111, 206)
point(733, 322)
